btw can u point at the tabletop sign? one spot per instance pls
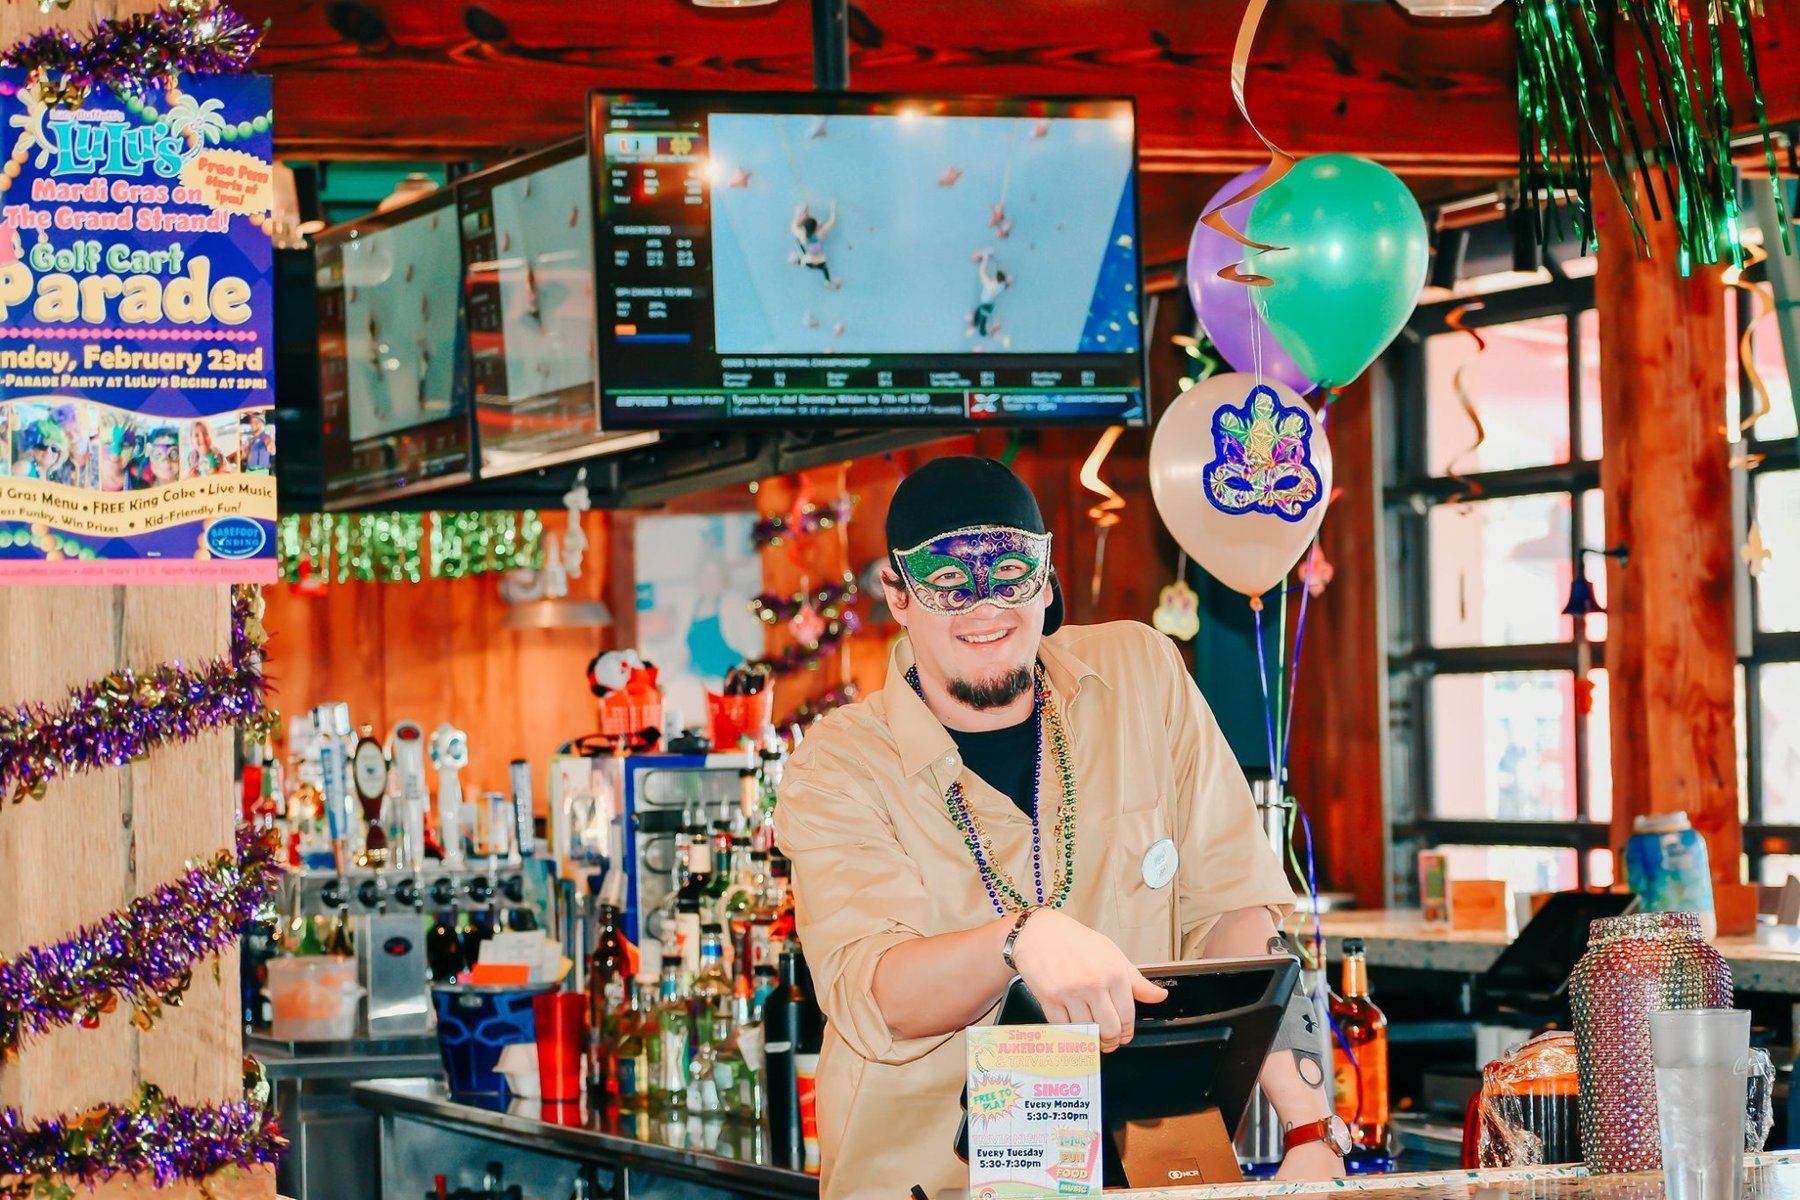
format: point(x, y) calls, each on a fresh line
point(136, 335)
point(1034, 1111)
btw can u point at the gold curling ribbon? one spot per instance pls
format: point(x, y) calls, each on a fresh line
point(1762, 304)
point(1454, 320)
point(1280, 161)
point(1105, 514)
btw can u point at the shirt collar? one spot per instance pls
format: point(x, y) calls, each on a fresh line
point(922, 739)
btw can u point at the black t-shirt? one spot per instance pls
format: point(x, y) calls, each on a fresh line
point(1006, 759)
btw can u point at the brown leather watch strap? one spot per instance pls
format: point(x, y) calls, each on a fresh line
point(1330, 1130)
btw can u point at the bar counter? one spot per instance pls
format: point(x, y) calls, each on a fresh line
point(1769, 1177)
point(1401, 938)
point(424, 1134)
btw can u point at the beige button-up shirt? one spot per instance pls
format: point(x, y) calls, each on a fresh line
point(878, 860)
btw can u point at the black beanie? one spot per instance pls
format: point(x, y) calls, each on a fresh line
point(960, 491)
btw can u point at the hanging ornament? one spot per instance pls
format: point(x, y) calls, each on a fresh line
point(1178, 606)
point(807, 625)
point(1754, 552)
point(1762, 305)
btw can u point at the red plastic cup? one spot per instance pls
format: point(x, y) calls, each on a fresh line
point(561, 1041)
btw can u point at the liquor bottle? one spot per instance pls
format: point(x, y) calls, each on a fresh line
point(774, 762)
point(674, 1037)
point(738, 905)
point(770, 923)
point(749, 798)
point(479, 929)
point(443, 949)
point(691, 900)
point(609, 989)
point(712, 993)
point(732, 1077)
point(761, 988)
point(1361, 1092)
point(630, 1054)
point(795, 1030)
point(721, 880)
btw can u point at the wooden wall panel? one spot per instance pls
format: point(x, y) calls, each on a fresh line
point(439, 650)
point(1336, 760)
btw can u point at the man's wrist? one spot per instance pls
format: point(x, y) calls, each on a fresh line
point(1009, 948)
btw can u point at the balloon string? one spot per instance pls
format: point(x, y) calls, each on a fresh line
point(1280, 161)
point(1262, 675)
point(1454, 320)
point(1293, 679)
point(1761, 305)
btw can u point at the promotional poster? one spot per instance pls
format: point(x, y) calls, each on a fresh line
point(1034, 1111)
point(136, 321)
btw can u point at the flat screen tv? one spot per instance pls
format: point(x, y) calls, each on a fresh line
point(393, 365)
point(840, 261)
point(528, 285)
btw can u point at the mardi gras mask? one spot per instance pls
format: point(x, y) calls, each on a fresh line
point(956, 571)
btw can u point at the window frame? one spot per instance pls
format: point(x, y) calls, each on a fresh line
point(1761, 837)
point(1409, 495)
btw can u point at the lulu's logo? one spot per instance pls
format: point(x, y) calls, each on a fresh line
point(116, 148)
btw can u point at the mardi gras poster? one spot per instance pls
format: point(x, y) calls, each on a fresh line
point(136, 322)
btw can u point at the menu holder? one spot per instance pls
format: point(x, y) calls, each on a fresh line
point(1735, 905)
point(1479, 906)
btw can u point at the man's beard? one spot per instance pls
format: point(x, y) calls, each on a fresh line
point(992, 693)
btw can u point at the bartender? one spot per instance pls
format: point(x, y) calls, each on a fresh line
point(1022, 798)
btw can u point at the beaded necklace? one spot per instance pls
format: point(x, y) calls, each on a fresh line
point(1003, 893)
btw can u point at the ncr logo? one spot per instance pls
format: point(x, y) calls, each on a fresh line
point(1179, 1174)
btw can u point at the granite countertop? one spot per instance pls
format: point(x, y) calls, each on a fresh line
point(1768, 1177)
point(1400, 938)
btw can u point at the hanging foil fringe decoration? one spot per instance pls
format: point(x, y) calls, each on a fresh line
point(1670, 127)
point(404, 547)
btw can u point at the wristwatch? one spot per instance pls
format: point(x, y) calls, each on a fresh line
point(1012, 937)
point(1333, 1131)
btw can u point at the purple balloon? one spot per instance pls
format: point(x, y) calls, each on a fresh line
point(1228, 310)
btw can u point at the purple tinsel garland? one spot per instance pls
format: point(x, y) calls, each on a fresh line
point(814, 517)
point(144, 954)
point(771, 608)
point(156, 1137)
point(125, 715)
point(804, 658)
point(129, 55)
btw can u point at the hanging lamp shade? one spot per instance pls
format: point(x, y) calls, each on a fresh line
point(1582, 601)
point(1449, 8)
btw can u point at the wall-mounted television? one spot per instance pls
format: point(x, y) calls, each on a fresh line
point(838, 261)
point(393, 363)
point(528, 284)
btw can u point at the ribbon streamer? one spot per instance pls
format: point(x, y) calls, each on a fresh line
point(1105, 514)
point(1762, 304)
point(1454, 320)
point(1280, 161)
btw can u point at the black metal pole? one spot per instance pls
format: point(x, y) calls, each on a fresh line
point(831, 45)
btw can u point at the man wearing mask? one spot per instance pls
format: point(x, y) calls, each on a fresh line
point(1021, 798)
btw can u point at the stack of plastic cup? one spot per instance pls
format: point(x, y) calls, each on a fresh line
point(1702, 1060)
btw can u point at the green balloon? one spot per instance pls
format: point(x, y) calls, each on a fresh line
point(1353, 259)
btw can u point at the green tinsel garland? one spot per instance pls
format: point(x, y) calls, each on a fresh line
point(1573, 110)
point(391, 547)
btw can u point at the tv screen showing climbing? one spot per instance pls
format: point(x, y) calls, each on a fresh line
point(393, 369)
point(789, 259)
point(528, 279)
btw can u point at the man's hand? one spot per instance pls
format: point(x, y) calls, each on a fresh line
point(1310, 1163)
point(1079, 976)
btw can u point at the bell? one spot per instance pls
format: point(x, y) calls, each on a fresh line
point(1582, 601)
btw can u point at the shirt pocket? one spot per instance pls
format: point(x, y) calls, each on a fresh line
point(1143, 917)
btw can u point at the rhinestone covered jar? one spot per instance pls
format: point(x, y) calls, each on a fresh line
point(1634, 966)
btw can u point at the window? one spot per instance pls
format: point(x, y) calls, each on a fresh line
point(1769, 723)
point(1501, 752)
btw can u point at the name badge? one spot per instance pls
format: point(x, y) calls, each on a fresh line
point(1159, 864)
